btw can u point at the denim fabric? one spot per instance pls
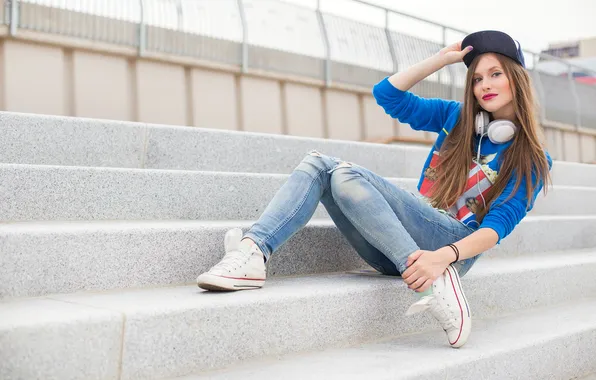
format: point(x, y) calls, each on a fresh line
point(383, 222)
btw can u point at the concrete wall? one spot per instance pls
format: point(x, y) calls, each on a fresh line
point(261, 105)
point(101, 86)
point(343, 115)
point(2, 73)
point(63, 78)
point(571, 146)
point(554, 139)
point(376, 123)
point(161, 93)
point(588, 149)
point(214, 99)
point(34, 78)
point(587, 47)
point(304, 110)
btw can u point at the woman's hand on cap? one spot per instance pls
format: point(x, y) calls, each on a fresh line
point(453, 53)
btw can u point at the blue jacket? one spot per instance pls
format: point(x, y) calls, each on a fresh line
point(441, 116)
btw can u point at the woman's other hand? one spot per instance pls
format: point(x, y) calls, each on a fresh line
point(424, 267)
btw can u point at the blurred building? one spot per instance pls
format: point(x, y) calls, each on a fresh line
point(573, 49)
point(580, 53)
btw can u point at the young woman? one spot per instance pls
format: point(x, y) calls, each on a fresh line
point(480, 179)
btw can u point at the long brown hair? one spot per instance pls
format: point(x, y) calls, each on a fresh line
point(525, 155)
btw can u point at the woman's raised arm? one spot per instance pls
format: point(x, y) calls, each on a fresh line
point(404, 80)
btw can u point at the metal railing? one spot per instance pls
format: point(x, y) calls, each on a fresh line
point(314, 41)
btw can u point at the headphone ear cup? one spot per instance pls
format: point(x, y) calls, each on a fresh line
point(482, 120)
point(501, 131)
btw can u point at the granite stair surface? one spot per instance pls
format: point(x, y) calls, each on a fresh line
point(105, 225)
point(520, 346)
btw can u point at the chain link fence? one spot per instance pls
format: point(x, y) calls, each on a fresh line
point(318, 41)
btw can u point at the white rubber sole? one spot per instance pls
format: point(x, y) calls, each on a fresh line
point(209, 281)
point(466, 317)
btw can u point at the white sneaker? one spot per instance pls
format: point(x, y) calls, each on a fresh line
point(449, 306)
point(241, 268)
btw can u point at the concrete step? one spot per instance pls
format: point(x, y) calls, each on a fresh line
point(56, 140)
point(45, 258)
point(77, 193)
point(527, 346)
point(176, 331)
point(34, 192)
point(588, 377)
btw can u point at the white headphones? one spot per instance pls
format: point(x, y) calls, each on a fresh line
point(498, 131)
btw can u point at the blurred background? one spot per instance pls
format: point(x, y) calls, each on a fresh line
point(299, 67)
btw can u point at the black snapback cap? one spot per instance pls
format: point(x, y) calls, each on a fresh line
point(492, 41)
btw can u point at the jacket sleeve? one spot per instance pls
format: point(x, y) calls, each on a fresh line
point(420, 113)
point(503, 216)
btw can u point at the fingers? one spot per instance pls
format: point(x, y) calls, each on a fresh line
point(466, 51)
point(410, 272)
point(427, 284)
point(410, 275)
point(413, 257)
point(418, 283)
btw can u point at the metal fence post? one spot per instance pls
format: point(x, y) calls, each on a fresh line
point(453, 87)
point(444, 36)
point(390, 42)
point(325, 44)
point(578, 119)
point(180, 15)
point(14, 17)
point(539, 90)
point(142, 30)
point(244, 36)
point(451, 69)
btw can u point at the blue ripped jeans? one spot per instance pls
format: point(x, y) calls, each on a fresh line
point(383, 222)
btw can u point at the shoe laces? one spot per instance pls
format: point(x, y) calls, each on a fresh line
point(233, 260)
point(443, 315)
point(440, 312)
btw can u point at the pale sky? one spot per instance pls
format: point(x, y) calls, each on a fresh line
point(531, 22)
